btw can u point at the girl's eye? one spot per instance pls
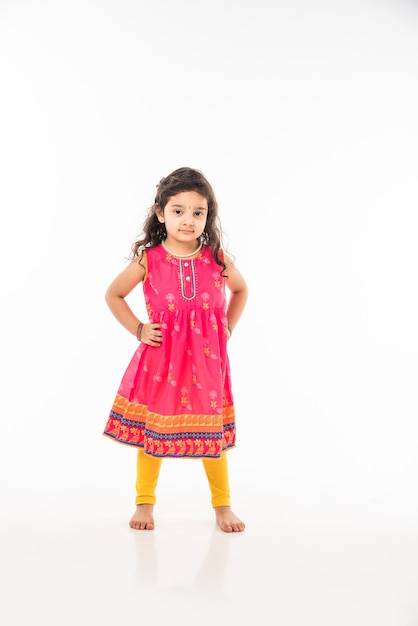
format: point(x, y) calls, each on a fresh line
point(177, 212)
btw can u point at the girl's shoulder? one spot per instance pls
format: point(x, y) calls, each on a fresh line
point(151, 251)
point(222, 255)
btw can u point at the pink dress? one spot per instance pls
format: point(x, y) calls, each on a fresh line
point(175, 400)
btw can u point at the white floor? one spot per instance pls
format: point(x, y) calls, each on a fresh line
point(69, 557)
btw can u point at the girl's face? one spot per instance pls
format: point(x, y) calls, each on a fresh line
point(184, 216)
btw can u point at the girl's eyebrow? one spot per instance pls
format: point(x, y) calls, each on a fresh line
point(182, 206)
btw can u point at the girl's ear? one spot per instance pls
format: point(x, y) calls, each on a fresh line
point(160, 215)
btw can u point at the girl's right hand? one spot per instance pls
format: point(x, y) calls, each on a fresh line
point(151, 334)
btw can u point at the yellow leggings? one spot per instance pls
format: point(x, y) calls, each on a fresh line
point(148, 470)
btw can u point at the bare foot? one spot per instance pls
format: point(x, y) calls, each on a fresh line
point(227, 520)
point(143, 518)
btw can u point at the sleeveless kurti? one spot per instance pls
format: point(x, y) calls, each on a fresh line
point(175, 400)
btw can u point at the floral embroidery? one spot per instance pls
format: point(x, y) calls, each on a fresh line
point(214, 323)
point(195, 379)
point(217, 280)
point(207, 350)
point(170, 376)
point(171, 301)
point(205, 300)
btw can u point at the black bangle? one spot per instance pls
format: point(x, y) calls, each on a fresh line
point(139, 331)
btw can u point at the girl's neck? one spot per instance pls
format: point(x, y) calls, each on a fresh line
point(186, 251)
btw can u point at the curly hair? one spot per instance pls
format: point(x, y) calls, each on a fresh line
point(182, 179)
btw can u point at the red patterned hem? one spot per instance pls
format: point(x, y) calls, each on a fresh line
point(173, 436)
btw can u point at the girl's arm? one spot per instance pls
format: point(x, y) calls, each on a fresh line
point(117, 291)
point(238, 293)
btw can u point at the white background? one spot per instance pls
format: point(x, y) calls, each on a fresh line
point(303, 116)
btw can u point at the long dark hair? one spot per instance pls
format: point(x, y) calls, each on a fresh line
point(182, 179)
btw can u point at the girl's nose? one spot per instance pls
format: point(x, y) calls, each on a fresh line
point(188, 217)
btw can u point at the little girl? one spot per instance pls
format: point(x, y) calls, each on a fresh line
point(175, 396)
